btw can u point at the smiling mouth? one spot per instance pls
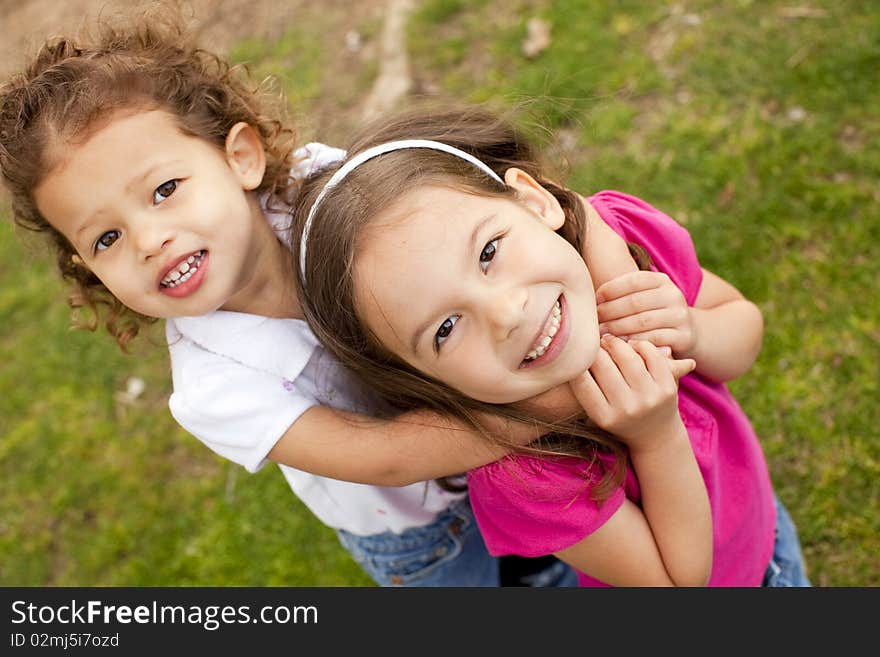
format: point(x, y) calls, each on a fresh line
point(545, 339)
point(183, 271)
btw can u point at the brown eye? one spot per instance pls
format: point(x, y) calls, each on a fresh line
point(488, 253)
point(106, 240)
point(164, 190)
point(444, 330)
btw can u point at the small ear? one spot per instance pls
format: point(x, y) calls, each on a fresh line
point(245, 155)
point(535, 197)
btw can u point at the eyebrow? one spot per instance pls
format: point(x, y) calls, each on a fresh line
point(472, 246)
point(149, 171)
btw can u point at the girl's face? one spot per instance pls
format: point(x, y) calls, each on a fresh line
point(160, 217)
point(479, 292)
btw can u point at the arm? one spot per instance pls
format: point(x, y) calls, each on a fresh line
point(722, 331)
point(729, 330)
point(413, 447)
point(631, 391)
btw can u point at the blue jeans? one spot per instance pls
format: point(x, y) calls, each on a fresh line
point(786, 567)
point(448, 552)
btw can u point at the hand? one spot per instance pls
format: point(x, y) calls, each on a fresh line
point(647, 305)
point(631, 390)
point(560, 403)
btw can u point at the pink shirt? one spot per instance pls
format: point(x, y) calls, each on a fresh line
point(530, 506)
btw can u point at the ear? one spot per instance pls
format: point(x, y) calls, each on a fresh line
point(535, 197)
point(245, 155)
point(76, 260)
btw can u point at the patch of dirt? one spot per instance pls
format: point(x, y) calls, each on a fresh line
point(220, 24)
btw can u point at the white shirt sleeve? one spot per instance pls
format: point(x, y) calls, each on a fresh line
point(315, 156)
point(237, 411)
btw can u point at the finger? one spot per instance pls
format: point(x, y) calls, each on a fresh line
point(642, 322)
point(657, 364)
point(629, 283)
point(682, 367)
point(589, 395)
point(608, 377)
point(660, 367)
point(630, 304)
point(659, 337)
point(630, 363)
point(665, 350)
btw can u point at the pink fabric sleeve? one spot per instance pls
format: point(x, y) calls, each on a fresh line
point(668, 242)
point(536, 506)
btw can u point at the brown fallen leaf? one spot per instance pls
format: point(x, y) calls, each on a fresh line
point(802, 12)
point(537, 37)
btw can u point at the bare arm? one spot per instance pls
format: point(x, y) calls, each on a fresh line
point(416, 446)
point(722, 331)
point(729, 329)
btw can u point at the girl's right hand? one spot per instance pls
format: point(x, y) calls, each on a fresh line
point(631, 390)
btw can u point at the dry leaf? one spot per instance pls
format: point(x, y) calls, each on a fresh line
point(802, 12)
point(537, 37)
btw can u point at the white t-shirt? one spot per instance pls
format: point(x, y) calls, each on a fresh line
point(241, 380)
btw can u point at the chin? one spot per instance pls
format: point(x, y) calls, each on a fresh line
point(495, 397)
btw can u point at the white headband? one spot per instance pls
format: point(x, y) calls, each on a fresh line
point(369, 154)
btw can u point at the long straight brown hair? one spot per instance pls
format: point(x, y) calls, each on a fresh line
point(327, 291)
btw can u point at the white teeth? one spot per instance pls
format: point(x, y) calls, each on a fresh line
point(184, 270)
point(546, 337)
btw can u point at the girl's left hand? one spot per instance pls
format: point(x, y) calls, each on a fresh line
point(631, 390)
point(647, 305)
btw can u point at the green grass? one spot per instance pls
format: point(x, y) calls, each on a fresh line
point(754, 129)
point(102, 494)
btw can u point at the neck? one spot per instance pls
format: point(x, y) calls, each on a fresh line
point(605, 252)
point(267, 287)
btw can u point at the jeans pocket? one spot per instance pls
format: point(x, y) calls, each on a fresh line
point(406, 568)
point(404, 560)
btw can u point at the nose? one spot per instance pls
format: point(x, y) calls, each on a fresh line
point(506, 309)
point(150, 237)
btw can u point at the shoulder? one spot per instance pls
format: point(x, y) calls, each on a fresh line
point(233, 389)
point(223, 344)
point(634, 217)
point(666, 240)
point(313, 157)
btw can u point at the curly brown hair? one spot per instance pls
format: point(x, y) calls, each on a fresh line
point(73, 86)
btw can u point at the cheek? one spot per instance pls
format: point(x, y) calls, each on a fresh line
point(483, 379)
